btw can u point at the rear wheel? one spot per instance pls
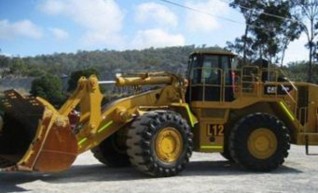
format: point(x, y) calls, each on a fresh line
point(112, 151)
point(226, 154)
point(259, 142)
point(1, 123)
point(159, 143)
point(226, 149)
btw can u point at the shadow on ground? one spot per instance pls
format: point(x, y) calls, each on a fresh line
point(9, 182)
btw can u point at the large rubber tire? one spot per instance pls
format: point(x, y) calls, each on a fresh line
point(159, 143)
point(227, 155)
point(112, 151)
point(226, 148)
point(259, 142)
point(1, 123)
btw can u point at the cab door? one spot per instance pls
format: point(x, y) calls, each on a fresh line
point(210, 78)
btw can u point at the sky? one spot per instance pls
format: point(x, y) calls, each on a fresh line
point(36, 27)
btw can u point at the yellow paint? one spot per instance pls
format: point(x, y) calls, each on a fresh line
point(82, 141)
point(168, 144)
point(290, 115)
point(193, 120)
point(105, 126)
point(262, 143)
point(211, 147)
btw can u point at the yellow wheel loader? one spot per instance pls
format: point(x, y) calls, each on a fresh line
point(250, 115)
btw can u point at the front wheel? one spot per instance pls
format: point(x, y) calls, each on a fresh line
point(112, 151)
point(159, 143)
point(259, 142)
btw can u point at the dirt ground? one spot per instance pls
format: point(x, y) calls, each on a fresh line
point(205, 173)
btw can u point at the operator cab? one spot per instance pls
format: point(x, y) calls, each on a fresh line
point(210, 76)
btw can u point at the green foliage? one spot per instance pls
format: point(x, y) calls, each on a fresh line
point(50, 88)
point(270, 27)
point(35, 72)
point(308, 11)
point(4, 61)
point(297, 71)
point(107, 62)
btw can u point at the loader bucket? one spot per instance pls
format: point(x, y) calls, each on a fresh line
point(34, 136)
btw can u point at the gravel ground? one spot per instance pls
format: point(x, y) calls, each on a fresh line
point(205, 173)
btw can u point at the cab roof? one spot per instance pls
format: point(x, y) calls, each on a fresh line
point(214, 51)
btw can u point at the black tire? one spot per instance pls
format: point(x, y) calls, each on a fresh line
point(226, 149)
point(146, 135)
point(112, 151)
point(266, 131)
point(1, 124)
point(227, 155)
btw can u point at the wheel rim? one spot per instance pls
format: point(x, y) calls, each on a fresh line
point(168, 145)
point(262, 143)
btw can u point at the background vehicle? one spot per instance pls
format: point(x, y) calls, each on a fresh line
point(249, 115)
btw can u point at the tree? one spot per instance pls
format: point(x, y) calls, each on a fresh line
point(270, 27)
point(309, 10)
point(17, 67)
point(249, 10)
point(49, 87)
point(293, 31)
point(274, 29)
point(4, 63)
point(243, 45)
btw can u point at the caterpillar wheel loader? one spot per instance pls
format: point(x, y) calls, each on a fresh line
point(250, 115)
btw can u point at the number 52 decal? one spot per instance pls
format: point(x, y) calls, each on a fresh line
point(215, 130)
